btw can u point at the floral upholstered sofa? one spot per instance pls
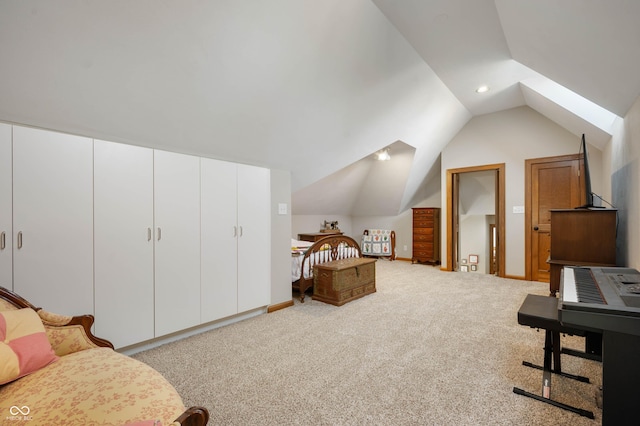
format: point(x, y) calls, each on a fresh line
point(53, 371)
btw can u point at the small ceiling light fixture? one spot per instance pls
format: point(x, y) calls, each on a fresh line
point(482, 89)
point(383, 155)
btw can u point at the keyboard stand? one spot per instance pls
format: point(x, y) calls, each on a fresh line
point(542, 312)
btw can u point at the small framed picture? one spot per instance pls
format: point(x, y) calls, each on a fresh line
point(474, 267)
point(464, 268)
point(463, 261)
point(473, 259)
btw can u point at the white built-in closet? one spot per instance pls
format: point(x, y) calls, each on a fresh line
point(151, 242)
point(6, 211)
point(53, 220)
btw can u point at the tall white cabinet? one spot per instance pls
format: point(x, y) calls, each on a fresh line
point(53, 220)
point(150, 242)
point(147, 242)
point(6, 211)
point(123, 232)
point(254, 240)
point(219, 279)
point(177, 241)
point(235, 238)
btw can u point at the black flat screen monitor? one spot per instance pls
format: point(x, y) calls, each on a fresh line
point(587, 176)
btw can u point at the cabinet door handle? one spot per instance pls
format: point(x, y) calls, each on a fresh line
point(235, 231)
point(159, 233)
point(20, 239)
point(240, 231)
point(148, 234)
point(3, 242)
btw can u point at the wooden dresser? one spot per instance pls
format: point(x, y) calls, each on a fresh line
point(344, 280)
point(426, 235)
point(581, 237)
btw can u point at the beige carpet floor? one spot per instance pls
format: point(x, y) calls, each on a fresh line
point(428, 348)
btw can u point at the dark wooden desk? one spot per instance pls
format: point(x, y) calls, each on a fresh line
point(315, 236)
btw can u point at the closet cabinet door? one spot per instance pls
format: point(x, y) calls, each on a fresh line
point(53, 220)
point(6, 239)
point(254, 237)
point(219, 278)
point(123, 205)
point(177, 241)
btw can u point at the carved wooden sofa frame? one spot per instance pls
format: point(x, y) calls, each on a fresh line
point(69, 334)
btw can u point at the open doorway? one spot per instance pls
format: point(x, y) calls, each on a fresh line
point(493, 249)
point(493, 260)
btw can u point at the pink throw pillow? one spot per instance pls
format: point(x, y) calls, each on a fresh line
point(24, 346)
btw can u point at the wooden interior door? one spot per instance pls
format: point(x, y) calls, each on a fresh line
point(552, 183)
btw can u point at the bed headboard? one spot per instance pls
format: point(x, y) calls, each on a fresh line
point(325, 250)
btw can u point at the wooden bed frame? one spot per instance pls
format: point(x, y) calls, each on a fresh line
point(324, 250)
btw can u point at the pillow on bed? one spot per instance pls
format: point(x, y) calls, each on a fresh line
point(299, 245)
point(24, 345)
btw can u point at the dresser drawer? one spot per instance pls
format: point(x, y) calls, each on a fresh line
point(424, 234)
point(423, 213)
point(421, 246)
point(424, 256)
point(423, 223)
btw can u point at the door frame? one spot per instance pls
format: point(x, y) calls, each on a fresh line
point(500, 212)
point(528, 194)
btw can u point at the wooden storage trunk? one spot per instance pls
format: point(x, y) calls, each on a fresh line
point(344, 280)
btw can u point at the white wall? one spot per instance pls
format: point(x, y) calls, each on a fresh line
point(280, 241)
point(475, 240)
point(625, 185)
point(510, 137)
point(402, 224)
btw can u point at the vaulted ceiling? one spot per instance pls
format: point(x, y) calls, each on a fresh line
point(525, 50)
point(315, 87)
point(574, 61)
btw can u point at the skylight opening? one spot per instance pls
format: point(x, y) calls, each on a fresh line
point(571, 101)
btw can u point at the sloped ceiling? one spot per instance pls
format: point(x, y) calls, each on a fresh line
point(313, 87)
point(590, 48)
point(366, 187)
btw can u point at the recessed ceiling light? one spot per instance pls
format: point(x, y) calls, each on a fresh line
point(383, 155)
point(482, 89)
